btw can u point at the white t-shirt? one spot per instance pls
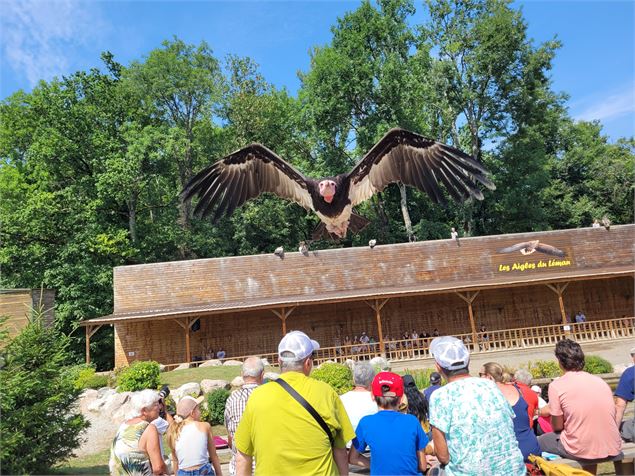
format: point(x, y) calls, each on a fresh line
point(358, 404)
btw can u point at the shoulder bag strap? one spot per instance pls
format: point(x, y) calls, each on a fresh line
point(300, 399)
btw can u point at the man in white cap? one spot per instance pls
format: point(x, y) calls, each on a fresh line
point(472, 426)
point(280, 433)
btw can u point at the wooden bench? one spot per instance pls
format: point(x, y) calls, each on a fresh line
point(623, 467)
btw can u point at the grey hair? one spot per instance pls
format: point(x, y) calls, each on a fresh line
point(252, 367)
point(523, 376)
point(363, 374)
point(291, 365)
point(142, 400)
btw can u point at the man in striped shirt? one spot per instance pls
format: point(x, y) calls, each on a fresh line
point(252, 373)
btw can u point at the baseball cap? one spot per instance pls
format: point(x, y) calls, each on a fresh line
point(536, 389)
point(435, 378)
point(633, 351)
point(387, 384)
point(409, 381)
point(450, 352)
point(186, 405)
point(299, 344)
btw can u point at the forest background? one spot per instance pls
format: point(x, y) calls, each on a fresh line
point(91, 164)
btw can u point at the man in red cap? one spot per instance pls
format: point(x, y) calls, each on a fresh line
point(396, 440)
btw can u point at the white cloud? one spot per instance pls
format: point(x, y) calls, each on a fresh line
point(42, 39)
point(612, 106)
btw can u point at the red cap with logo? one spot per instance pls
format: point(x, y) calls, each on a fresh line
point(387, 384)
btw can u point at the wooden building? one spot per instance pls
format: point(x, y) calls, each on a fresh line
point(176, 311)
point(18, 306)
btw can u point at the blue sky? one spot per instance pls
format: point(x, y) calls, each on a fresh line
point(41, 39)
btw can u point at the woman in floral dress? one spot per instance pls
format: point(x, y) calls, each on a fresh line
point(136, 449)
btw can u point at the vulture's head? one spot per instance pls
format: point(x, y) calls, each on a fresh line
point(327, 190)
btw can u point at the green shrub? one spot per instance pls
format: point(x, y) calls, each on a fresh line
point(544, 369)
point(139, 376)
point(594, 364)
point(40, 425)
point(420, 376)
point(338, 376)
point(85, 377)
point(214, 414)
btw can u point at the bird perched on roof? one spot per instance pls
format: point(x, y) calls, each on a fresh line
point(606, 223)
point(372, 243)
point(279, 252)
point(399, 156)
point(303, 248)
point(529, 247)
point(455, 236)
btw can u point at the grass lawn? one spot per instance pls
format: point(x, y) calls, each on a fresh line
point(92, 464)
point(176, 378)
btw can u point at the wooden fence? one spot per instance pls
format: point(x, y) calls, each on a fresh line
point(489, 341)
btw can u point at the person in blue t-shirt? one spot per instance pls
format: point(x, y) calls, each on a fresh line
point(396, 440)
point(435, 384)
point(624, 393)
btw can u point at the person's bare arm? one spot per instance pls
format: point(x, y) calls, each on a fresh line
point(440, 446)
point(544, 412)
point(340, 456)
point(243, 464)
point(175, 462)
point(358, 459)
point(557, 422)
point(620, 408)
point(153, 448)
point(423, 464)
point(211, 449)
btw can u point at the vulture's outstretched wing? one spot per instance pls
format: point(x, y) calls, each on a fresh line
point(403, 156)
point(550, 250)
point(244, 175)
point(519, 246)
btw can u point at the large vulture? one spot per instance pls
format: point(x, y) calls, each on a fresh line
point(400, 156)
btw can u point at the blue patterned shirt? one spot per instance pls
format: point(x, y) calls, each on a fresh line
point(478, 426)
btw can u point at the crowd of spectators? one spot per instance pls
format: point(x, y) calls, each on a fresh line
point(459, 425)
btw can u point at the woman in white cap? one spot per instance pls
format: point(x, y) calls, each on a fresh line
point(192, 441)
point(135, 448)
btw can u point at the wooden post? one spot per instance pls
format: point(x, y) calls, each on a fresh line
point(283, 313)
point(87, 345)
point(90, 331)
point(187, 326)
point(469, 299)
point(559, 290)
point(377, 307)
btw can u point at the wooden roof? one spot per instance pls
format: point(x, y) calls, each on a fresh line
point(219, 285)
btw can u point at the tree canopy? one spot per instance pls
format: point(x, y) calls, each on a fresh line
point(91, 164)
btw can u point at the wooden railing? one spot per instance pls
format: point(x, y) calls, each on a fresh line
point(489, 341)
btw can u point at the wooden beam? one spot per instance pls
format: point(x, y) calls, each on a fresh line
point(469, 299)
point(559, 290)
point(283, 314)
point(377, 305)
point(90, 331)
point(187, 325)
point(87, 345)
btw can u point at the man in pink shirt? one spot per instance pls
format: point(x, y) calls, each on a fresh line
point(582, 413)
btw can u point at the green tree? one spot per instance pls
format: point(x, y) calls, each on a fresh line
point(180, 85)
point(486, 68)
point(40, 424)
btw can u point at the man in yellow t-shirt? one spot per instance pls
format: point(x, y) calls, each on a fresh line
point(280, 433)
